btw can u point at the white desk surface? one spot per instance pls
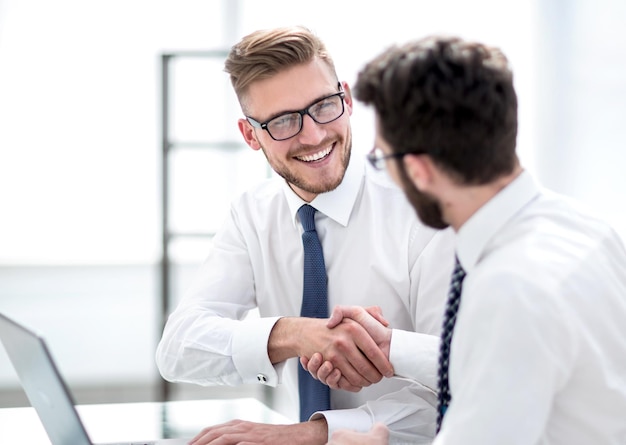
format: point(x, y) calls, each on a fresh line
point(139, 421)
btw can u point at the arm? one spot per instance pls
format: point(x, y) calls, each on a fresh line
point(207, 339)
point(410, 415)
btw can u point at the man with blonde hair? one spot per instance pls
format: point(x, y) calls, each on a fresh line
point(327, 231)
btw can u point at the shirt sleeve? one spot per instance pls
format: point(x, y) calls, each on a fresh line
point(410, 414)
point(208, 339)
point(415, 356)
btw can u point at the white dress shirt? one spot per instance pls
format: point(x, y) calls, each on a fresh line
point(376, 253)
point(538, 354)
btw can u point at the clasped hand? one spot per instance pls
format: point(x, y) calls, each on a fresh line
point(355, 361)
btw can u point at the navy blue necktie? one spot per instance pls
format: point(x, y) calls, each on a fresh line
point(314, 395)
point(452, 306)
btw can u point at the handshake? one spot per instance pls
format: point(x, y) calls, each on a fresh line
point(358, 355)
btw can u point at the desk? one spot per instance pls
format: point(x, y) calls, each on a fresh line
point(139, 421)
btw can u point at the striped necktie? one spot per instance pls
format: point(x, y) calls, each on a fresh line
point(452, 306)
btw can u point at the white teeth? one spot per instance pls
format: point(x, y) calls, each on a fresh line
point(315, 156)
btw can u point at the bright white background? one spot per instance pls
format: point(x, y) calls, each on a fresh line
point(80, 147)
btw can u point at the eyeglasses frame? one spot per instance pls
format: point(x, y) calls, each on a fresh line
point(263, 125)
point(378, 162)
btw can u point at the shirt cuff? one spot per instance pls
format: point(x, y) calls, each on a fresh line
point(415, 356)
point(250, 352)
point(357, 419)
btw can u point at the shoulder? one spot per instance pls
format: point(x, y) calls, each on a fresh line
point(260, 206)
point(538, 252)
point(261, 194)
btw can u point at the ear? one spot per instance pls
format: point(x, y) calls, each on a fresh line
point(348, 97)
point(420, 170)
point(248, 133)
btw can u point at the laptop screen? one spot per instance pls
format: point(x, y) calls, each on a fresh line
point(42, 384)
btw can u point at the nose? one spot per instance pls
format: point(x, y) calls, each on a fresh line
point(312, 133)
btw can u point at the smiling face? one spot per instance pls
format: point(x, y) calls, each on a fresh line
point(315, 160)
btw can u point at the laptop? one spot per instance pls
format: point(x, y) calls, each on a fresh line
point(46, 390)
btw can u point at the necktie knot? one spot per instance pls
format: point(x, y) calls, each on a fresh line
point(306, 213)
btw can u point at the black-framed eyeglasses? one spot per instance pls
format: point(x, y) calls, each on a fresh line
point(287, 125)
point(378, 158)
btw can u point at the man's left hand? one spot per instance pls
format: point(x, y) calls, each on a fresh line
point(314, 432)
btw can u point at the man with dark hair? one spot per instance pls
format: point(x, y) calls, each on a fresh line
point(533, 349)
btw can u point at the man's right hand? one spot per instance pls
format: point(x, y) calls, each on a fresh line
point(371, 319)
point(347, 345)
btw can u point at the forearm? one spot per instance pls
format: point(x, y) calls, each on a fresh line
point(282, 342)
point(410, 415)
point(202, 348)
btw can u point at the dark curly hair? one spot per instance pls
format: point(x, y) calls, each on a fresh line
point(448, 98)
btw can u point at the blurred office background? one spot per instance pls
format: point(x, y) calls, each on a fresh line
point(81, 137)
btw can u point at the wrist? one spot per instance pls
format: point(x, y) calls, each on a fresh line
point(316, 431)
point(280, 345)
point(385, 346)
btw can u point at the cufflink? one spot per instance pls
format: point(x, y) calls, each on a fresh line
point(261, 378)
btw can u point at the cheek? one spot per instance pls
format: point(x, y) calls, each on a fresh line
point(276, 151)
point(394, 173)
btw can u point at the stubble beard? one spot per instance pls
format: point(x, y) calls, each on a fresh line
point(323, 184)
point(427, 207)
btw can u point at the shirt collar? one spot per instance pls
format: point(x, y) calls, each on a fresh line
point(336, 204)
point(473, 236)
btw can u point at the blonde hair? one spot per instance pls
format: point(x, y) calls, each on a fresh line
point(264, 53)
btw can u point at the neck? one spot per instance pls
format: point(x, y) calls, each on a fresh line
point(463, 200)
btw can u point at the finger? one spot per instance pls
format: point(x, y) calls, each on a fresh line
point(333, 379)
point(380, 431)
point(377, 358)
point(336, 317)
point(375, 364)
point(378, 365)
point(205, 436)
point(347, 354)
point(377, 313)
point(345, 385)
point(348, 360)
point(356, 313)
point(314, 364)
point(323, 371)
point(304, 362)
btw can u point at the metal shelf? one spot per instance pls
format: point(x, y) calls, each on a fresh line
point(167, 147)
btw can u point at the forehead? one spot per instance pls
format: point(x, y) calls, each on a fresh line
point(290, 89)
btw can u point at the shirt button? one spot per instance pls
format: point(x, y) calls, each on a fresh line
point(261, 378)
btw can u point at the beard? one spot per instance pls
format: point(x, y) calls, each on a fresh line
point(322, 183)
point(428, 209)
